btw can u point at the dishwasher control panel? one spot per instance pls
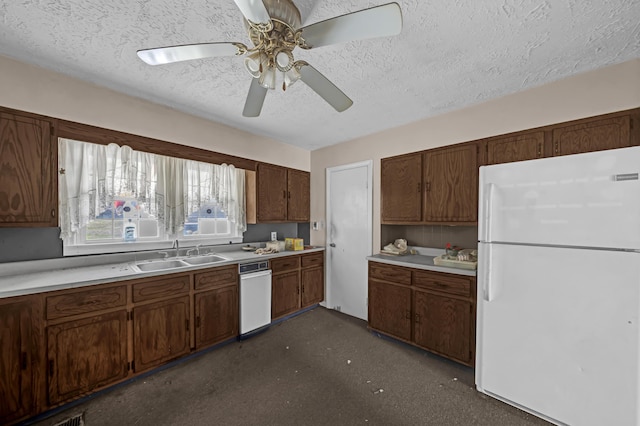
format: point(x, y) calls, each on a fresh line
point(246, 268)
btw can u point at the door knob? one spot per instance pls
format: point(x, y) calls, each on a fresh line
point(332, 245)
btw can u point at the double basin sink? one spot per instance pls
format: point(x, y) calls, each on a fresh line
point(159, 265)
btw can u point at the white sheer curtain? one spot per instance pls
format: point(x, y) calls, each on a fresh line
point(221, 184)
point(95, 174)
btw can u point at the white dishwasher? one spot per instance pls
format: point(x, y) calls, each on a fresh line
point(255, 297)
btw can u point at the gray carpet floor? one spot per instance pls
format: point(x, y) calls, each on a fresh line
point(318, 368)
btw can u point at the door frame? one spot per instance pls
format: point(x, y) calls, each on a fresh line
point(328, 173)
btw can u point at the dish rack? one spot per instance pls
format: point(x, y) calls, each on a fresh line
point(453, 262)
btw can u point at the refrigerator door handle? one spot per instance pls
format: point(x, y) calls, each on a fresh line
point(487, 294)
point(488, 210)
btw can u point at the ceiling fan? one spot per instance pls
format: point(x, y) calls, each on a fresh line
point(274, 27)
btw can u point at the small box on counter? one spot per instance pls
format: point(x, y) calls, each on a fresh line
point(293, 244)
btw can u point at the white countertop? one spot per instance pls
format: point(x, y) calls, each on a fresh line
point(21, 278)
point(422, 260)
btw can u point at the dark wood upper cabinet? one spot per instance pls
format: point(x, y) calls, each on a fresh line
point(520, 147)
point(271, 188)
point(451, 184)
point(28, 179)
point(592, 135)
point(298, 196)
point(281, 195)
point(401, 188)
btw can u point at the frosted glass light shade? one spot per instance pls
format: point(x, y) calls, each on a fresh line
point(268, 78)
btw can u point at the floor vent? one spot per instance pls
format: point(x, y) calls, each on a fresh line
point(73, 421)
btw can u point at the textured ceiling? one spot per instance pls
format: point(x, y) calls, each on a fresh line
point(450, 54)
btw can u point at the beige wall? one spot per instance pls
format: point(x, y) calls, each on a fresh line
point(606, 90)
point(29, 88)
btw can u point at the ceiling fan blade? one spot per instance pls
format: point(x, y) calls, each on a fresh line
point(186, 52)
point(254, 11)
point(379, 21)
point(326, 89)
point(255, 99)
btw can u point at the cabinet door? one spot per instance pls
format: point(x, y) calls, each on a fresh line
point(16, 361)
point(451, 184)
point(271, 188)
point(160, 332)
point(443, 324)
point(390, 309)
point(86, 354)
point(216, 315)
point(401, 188)
point(592, 135)
point(312, 280)
point(298, 196)
point(285, 294)
point(27, 177)
point(521, 147)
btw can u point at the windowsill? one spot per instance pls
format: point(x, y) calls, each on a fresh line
point(109, 248)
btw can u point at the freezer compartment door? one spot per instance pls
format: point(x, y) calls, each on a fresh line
point(557, 332)
point(584, 200)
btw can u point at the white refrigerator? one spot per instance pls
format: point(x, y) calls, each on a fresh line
point(559, 287)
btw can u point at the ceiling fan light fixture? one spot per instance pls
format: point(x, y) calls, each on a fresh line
point(291, 76)
point(256, 63)
point(284, 60)
point(268, 78)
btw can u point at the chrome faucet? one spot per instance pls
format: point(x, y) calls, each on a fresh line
point(176, 246)
point(195, 250)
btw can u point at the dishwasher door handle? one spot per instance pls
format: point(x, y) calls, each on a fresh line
point(255, 274)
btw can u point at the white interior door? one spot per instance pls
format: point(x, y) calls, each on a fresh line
point(349, 234)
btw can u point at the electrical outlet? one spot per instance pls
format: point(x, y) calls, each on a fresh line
point(274, 236)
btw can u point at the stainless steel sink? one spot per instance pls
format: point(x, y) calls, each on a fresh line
point(201, 260)
point(160, 265)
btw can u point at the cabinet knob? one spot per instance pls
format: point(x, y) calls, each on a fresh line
point(407, 314)
point(53, 212)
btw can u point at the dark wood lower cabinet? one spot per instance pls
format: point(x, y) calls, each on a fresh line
point(59, 346)
point(443, 325)
point(432, 310)
point(160, 332)
point(285, 293)
point(17, 358)
point(312, 281)
point(390, 308)
point(216, 315)
point(86, 354)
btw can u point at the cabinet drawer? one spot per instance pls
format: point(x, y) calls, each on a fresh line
point(81, 302)
point(217, 277)
point(313, 259)
point(285, 264)
point(442, 282)
point(394, 274)
point(158, 288)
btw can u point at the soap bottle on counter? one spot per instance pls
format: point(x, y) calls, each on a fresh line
point(130, 232)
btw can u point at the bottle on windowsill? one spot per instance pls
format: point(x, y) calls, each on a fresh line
point(130, 232)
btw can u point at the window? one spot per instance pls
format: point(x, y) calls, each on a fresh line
point(113, 198)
